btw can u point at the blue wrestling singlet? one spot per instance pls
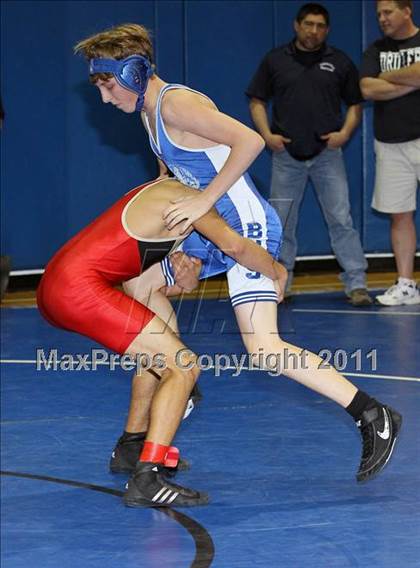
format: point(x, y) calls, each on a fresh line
point(242, 207)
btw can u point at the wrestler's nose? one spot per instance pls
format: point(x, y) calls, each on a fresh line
point(105, 95)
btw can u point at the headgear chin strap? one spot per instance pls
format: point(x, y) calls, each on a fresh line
point(132, 73)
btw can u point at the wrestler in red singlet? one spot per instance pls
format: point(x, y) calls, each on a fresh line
point(77, 291)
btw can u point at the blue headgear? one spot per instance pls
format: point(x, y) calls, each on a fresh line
point(132, 73)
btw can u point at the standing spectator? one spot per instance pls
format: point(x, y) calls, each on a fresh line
point(307, 81)
point(391, 77)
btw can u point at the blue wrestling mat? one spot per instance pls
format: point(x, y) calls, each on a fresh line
point(278, 460)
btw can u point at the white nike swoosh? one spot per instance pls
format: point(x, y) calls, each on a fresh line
point(385, 432)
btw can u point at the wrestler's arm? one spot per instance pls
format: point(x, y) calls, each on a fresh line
point(244, 251)
point(184, 111)
point(213, 227)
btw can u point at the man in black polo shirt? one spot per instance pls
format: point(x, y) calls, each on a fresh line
point(391, 77)
point(307, 81)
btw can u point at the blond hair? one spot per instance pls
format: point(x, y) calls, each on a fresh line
point(117, 42)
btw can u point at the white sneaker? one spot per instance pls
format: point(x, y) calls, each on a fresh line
point(404, 292)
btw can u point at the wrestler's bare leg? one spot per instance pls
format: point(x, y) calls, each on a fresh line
point(146, 290)
point(177, 378)
point(258, 325)
point(379, 424)
point(143, 388)
point(147, 486)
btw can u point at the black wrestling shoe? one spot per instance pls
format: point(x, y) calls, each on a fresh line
point(149, 488)
point(379, 428)
point(126, 455)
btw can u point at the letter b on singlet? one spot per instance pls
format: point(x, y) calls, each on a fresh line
point(254, 230)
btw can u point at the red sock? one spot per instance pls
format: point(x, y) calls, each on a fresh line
point(156, 453)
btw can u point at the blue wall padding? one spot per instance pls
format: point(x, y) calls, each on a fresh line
point(65, 157)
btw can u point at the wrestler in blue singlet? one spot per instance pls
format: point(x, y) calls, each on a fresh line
point(242, 207)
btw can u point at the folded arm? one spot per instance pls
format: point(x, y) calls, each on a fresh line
point(378, 89)
point(408, 76)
